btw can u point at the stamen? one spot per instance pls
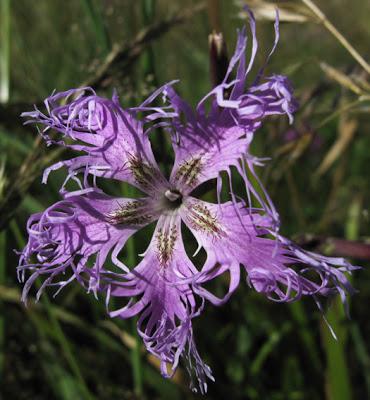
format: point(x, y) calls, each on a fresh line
point(166, 240)
point(144, 173)
point(172, 199)
point(131, 213)
point(201, 218)
point(173, 195)
point(189, 170)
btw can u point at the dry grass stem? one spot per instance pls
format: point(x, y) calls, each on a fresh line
point(289, 11)
point(341, 78)
point(334, 31)
point(346, 131)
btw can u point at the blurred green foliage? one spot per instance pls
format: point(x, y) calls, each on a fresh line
point(66, 348)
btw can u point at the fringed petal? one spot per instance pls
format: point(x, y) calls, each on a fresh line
point(166, 304)
point(201, 153)
point(205, 144)
point(233, 234)
point(112, 139)
point(72, 239)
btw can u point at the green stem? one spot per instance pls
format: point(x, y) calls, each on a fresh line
point(148, 11)
point(337, 377)
point(136, 361)
point(99, 26)
point(339, 384)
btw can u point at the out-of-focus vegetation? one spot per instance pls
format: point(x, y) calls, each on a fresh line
point(66, 348)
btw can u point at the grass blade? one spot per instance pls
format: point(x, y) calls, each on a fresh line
point(136, 361)
point(299, 315)
point(148, 12)
point(99, 26)
point(337, 375)
point(339, 383)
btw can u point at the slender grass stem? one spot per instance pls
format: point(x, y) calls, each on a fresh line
point(338, 112)
point(334, 31)
point(99, 26)
point(136, 362)
point(148, 11)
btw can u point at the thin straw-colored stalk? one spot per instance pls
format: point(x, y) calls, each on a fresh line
point(4, 50)
point(334, 31)
point(57, 329)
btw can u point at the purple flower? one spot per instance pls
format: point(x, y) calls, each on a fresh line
point(73, 238)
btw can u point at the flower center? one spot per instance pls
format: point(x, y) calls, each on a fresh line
point(173, 198)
